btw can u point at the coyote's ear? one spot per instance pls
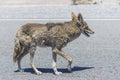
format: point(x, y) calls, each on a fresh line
point(74, 17)
point(80, 18)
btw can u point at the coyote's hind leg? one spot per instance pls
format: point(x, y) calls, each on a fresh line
point(23, 53)
point(32, 52)
point(19, 65)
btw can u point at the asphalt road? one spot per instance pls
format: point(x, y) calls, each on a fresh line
point(60, 12)
point(94, 58)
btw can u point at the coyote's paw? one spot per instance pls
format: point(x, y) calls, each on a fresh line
point(58, 73)
point(38, 73)
point(20, 70)
point(69, 68)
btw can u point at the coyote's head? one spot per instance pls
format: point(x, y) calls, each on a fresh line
point(81, 24)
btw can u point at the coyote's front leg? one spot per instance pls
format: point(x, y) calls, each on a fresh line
point(54, 65)
point(57, 51)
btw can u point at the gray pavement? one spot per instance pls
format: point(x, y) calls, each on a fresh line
point(60, 12)
point(94, 58)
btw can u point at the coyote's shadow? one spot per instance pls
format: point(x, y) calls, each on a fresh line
point(50, 70)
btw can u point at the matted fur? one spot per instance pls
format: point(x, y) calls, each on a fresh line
point(54, 35)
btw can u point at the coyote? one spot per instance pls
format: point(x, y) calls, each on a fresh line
point(54, 35)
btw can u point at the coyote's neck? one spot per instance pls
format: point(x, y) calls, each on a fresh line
point(73, 31)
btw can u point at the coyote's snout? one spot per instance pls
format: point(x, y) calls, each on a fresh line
point(54, 35)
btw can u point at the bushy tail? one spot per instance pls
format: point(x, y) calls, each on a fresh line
point(17, 50)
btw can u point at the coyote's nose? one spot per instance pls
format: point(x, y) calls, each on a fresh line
point(93, 32)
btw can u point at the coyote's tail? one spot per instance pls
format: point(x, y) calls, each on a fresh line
point(17, 50)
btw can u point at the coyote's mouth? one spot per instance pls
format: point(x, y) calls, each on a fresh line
point(87, 33)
